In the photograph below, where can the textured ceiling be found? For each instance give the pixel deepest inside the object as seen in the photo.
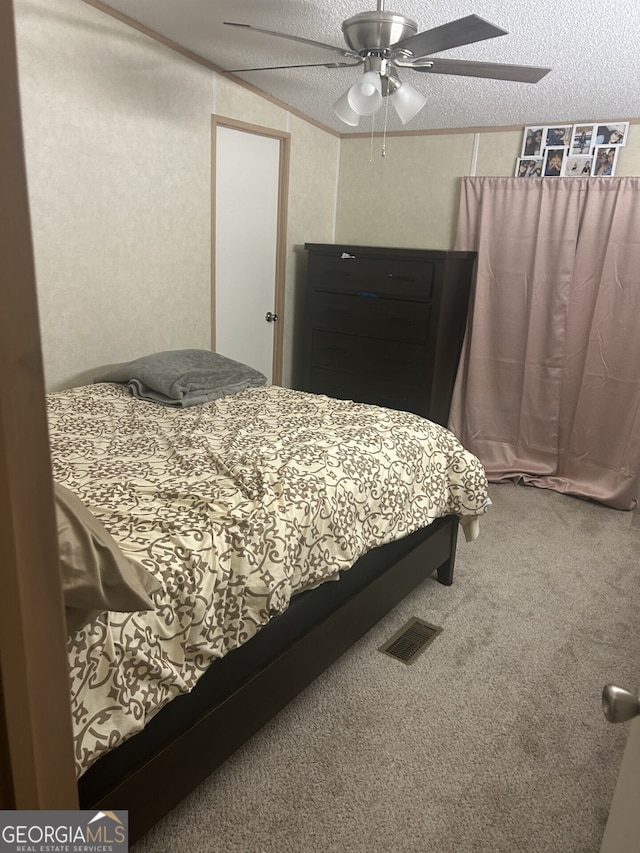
(591, 47)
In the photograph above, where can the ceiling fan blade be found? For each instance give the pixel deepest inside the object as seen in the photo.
(304, 65)
(493, 70)
(341, 50)
(454, 34)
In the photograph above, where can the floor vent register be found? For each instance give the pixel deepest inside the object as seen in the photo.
(411, 640)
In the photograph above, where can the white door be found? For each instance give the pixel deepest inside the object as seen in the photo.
(246, 234)
(622, 832)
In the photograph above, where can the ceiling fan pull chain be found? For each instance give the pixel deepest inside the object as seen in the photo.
(373, 124)
(384, 133)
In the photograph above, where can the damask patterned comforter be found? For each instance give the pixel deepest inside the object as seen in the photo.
(235, 506)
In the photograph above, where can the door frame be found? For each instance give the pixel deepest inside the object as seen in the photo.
(281, 229)
(36, 736)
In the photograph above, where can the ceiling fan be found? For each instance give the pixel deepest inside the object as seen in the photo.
(383, 41)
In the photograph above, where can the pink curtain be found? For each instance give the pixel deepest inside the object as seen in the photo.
(548, 388)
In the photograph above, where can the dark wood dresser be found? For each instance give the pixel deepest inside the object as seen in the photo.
(385, 326)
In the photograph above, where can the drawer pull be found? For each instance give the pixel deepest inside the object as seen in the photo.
(368, 294)
(401, 277)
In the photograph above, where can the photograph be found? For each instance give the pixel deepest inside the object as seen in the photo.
(587, 149)
(553, 161)
(583, 138)
(532, 141)
(529, 167)
(577, 165)
(605, 158)
(612, 133)
(558, 135)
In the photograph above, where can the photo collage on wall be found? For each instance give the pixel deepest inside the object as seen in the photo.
(571, 150)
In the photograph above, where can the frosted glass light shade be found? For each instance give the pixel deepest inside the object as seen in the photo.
(407, 102)
(344, 111)
(365, 96)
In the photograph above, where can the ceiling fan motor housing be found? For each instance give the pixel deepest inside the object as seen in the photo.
(376, 31)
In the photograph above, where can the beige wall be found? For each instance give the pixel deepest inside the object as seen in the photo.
(117, 139)
(405, 198)
(312, 207)
(118, 146)
(409, 198)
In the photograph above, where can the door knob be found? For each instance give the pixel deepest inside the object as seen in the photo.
(270, 318)
(620, 705)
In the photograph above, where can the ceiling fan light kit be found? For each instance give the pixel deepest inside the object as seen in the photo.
(384, 41)
(365, 96)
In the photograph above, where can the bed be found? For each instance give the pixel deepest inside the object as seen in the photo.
(267, 530)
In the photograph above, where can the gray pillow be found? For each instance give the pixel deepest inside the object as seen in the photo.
(96, 575)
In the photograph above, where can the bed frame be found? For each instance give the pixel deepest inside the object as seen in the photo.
(151, 772)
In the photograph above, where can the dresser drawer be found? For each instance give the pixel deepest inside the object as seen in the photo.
(406, 279)
(374, 317)
(389, 393)
(390, 359)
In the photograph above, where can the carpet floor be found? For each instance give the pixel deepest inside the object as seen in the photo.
(492, 741)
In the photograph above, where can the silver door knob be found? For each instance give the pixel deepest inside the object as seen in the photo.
(270, 317)
(620, 705)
